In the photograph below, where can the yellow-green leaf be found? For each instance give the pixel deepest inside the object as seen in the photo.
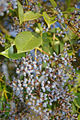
(9, 53)
(77, 100)
(53, 3)
(48, 20)
(29, 15)
(20, 12)
(78, 117)
(27, 2)
(26, 41)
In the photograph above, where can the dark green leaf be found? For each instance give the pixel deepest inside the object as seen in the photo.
(1, 105)
(46, 40)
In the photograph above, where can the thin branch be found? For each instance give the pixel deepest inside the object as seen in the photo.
(4, 30)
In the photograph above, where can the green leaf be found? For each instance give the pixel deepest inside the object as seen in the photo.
(69, 10)
(1, 105)
(9, 53)
(61, 46)
(77, 100)
(48, 20)
(44, 65)
(27, 2)
(20, 12)
(78, 117)
(6, 113)
(39, 26)
(53, 3)
(29, 15)
(78, 76)
(46, 41)
(73, 108)
(53, 30)
(68, 3)
(5, 53)
(26, 41)
(11, 40)
(71, 37)
(56, 46)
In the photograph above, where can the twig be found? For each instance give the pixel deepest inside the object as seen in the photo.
(35, 53)
(4, 30)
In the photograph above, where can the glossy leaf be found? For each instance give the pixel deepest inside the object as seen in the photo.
(48, 20)
(29, 15)
(20, 12)
(26, 41)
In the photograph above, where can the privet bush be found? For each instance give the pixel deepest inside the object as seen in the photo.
(43, 81)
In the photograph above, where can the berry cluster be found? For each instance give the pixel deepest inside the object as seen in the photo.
(45, 84)
(13, 3)
(5, 5)
(74, 20)
(31, 5)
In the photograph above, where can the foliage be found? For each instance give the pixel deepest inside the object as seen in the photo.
(26, 41)
(5, 94)
(31, 31)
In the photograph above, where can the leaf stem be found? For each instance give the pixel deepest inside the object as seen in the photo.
(42, 51)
